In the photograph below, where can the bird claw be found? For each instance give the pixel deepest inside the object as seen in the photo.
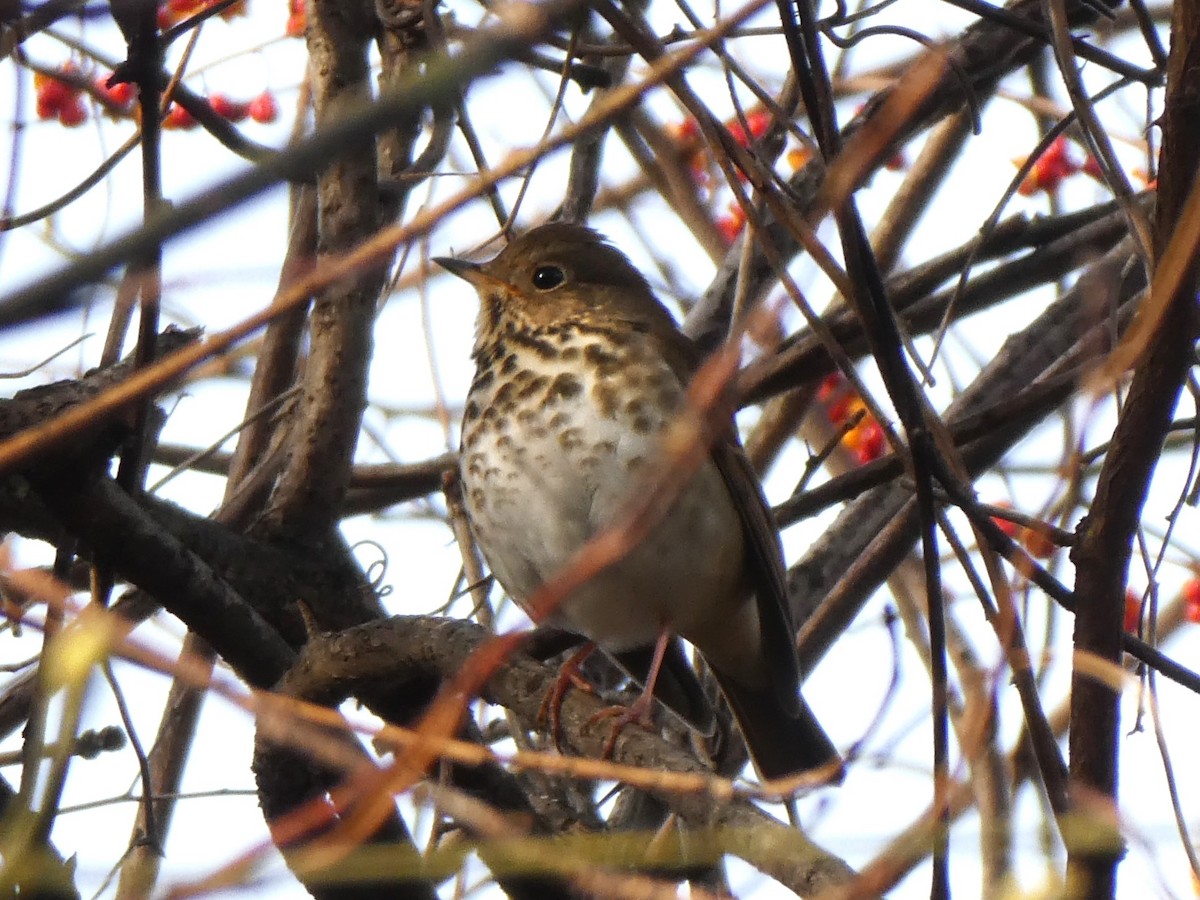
(550, 711)
(637, 713)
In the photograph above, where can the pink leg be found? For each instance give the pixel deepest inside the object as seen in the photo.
(639, 711)
(550, 710)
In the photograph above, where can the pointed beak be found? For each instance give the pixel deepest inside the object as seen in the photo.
(467, 271)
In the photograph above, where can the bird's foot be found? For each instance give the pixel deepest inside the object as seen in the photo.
(640, 712)
(569, 675)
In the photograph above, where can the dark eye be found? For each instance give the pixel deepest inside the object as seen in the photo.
(546, 278)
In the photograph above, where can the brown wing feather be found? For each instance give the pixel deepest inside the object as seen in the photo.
(780, 729)
(765, 568)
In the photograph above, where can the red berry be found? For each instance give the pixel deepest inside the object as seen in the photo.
(178, 118)
(759, 121)
(831, 385)
(1191, 600)
(52, 95)
(687, 130)
(871, 443)
(263, 108)
(731, 225)
(844, 408)
(46, 108)
(72, 114)
(1007, 526)
(729, 228)
(1133, 610)
(119, 97)
(1049, 169)
(227, 108)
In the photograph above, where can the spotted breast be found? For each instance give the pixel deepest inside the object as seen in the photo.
(559, 426)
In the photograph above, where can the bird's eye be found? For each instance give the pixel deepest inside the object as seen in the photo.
(547, 278)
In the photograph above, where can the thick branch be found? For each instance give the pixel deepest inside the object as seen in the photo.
(404, 648)
(1106, 535)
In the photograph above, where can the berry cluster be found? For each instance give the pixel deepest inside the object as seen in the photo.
(755, 125)
(1056, 164)
(862, 435)
(1039, 544)
(172, 12)
(60, 96)
(700, 164)
(262, 109)
(1050, 169)
(1190, 594)
(1037, 540)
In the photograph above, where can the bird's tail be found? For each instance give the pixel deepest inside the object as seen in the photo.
(781, 743)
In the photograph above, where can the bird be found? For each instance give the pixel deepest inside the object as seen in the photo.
(579, 368)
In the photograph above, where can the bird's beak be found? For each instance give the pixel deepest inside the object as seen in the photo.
(467, 271)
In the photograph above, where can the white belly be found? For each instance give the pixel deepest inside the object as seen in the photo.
(539, 486)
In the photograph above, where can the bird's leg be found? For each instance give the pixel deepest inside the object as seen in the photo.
(638, 712)
(569, 674)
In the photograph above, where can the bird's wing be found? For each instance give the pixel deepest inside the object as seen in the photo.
(764, 554)
(764, 567)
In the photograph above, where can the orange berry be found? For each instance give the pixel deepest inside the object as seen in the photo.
(297, 21)
(1037, 542)
(1144, 177)
(847, 409)
(798, 157)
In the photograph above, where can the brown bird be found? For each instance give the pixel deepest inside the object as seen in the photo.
(579, 368)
